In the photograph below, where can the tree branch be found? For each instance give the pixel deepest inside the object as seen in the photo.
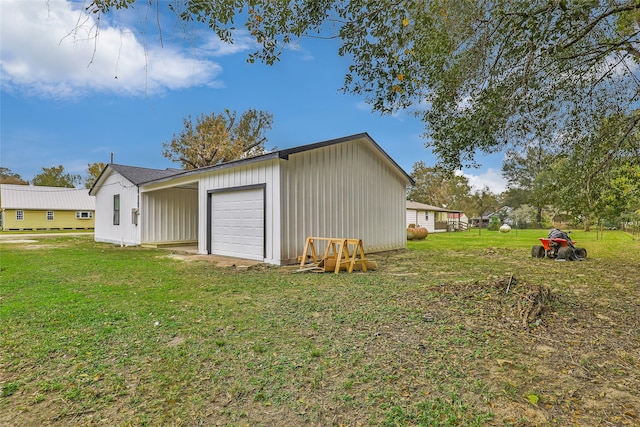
(587, 29)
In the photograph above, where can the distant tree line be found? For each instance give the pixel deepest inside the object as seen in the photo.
(581, 179)
(54, 176)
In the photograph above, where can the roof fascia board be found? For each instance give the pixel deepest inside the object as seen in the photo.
(169, 182)
(281, 154)
(215, 168)
(284, 154)
(101, 178)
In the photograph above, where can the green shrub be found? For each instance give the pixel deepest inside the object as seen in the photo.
(495, 224)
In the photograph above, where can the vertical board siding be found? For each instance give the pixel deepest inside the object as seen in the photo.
(126, 233)
(240, 176)
(170, 215)
(343, 190)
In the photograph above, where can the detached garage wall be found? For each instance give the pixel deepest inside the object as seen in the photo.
(342, 190)
(236, 178)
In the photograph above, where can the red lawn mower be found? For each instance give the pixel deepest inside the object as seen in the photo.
(559, 246)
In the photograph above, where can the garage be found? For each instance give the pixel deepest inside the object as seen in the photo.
(238, 222)
(261, 208)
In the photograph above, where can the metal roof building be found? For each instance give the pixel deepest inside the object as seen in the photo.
(260, 208)
(28, 207)
(35, 197)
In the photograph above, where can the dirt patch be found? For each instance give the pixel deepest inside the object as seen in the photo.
(176, 341)
(220, 261)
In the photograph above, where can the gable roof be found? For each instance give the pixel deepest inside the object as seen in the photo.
(45, 198)
(135, 174)
(284, 154)
(422, 207)
(139, 176)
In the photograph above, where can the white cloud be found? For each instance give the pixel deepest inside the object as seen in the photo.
(214, 46)
(364, 106)
(490, 178)
(53, 49)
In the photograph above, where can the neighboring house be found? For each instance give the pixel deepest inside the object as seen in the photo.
(502, 214)
(433, 218)
(459, 220)
(27, 207)
(260, 208)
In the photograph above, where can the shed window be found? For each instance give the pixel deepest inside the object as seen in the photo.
(49, 215)
(84, 214)
(19, 215)
(116, 209)
(426, 215)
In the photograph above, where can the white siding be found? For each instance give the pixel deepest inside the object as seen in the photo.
(169, 215)
(342, 190)
(241, 176)
(126, 233)
(237, 223)
(417, 216)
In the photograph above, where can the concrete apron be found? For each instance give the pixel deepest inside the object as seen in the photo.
(190, 253)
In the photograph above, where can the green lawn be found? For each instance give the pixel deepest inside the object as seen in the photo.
(456, 330)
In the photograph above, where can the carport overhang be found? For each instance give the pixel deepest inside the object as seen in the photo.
(163, 209)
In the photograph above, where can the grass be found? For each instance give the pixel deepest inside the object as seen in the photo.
(93, 333)
(39, 231)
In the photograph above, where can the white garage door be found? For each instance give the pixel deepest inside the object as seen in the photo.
(237, 223)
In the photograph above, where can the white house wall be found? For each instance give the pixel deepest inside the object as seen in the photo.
(170, 215)
(343, 190)
(419, 217)
(416, 217)
(245, 175)
(126, 233)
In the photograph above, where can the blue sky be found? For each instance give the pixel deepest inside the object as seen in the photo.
(69, 98)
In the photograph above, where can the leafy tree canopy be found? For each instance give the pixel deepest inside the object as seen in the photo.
(599, 177)
(219, 138)
(8, 177)
(56, 177)
(528, 171)
(482, 75)
(438, 187)
(93, 172)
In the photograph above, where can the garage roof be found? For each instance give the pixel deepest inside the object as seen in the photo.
(284, 154)
(422, 207)
(139, 175)
(45, 198)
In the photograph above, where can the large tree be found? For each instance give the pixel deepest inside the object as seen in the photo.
(217, 138)
(481, 74)
(599, 173)
(529, 171)
(7, 176)
(438, 187)
(55, 176)
(93, 173)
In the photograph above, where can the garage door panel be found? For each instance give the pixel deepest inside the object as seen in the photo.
(237, 223)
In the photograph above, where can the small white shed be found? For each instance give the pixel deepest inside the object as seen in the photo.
(260, 208)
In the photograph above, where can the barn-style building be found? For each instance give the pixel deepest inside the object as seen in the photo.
(261, 208)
